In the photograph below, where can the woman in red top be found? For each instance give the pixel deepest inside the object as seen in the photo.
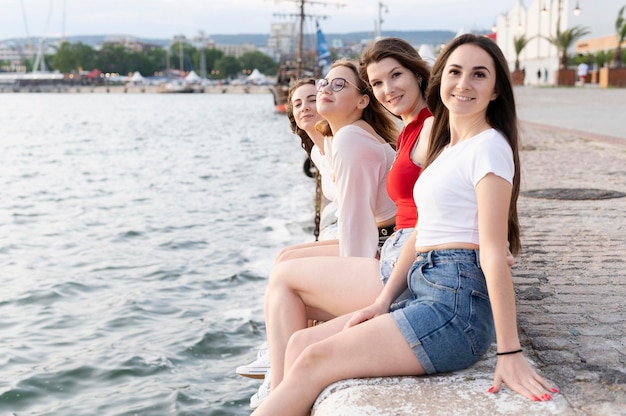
(399, 77)
(333, 286)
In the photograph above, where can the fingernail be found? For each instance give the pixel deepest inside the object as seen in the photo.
(554, 390)
(546, 397)
(491, 389)
(535, 398)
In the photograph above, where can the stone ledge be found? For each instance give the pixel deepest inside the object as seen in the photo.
(459, 393)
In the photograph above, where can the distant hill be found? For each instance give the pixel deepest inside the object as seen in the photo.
(431, 37)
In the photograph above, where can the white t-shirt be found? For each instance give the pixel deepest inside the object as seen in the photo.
(445, 191)
(360, 164)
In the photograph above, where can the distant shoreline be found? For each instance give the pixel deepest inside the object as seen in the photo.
(131, 89)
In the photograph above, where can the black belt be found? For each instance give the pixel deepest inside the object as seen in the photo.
(384, 233)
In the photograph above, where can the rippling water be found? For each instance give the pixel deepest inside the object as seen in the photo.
(136, 235)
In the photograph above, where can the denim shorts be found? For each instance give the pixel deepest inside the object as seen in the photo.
(391, 251)
(447, 321)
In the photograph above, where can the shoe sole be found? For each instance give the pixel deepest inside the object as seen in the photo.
(250, 374)
(254, 376)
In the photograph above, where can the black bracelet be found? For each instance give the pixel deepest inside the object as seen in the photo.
(509, 352)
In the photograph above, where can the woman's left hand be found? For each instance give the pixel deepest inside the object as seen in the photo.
(515, 371)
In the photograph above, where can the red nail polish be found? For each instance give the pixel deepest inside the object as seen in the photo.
(546, 397)
(555, 390)
(535, 398)
(491, 389)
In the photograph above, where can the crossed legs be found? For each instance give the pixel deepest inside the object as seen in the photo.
(318, 288)
(326, 353)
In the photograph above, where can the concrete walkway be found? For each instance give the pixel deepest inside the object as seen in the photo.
(588, 111)
(570, 280)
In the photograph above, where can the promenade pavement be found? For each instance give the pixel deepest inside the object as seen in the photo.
(570, 279)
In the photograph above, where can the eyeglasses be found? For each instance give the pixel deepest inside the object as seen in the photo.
(336, 84)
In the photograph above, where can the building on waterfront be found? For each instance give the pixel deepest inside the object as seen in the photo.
(603, 43)
(539, 21)
(236, 50)
(282, 39)
(12, 57)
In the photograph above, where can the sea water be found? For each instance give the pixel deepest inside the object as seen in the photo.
(137, 232)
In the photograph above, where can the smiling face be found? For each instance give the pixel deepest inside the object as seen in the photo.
(303, 104)
(395, 87)
(338, 105)
(468, 81)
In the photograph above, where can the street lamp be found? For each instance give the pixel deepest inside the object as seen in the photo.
(577, 9)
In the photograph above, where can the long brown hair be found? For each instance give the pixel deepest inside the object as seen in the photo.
(401, 51)
(374, 114)
(306, 142)
(500, 114)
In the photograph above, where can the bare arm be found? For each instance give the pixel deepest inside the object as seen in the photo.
(395, 286)
(493, 194)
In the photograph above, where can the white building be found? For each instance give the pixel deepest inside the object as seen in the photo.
(539, 21)
(282, 39)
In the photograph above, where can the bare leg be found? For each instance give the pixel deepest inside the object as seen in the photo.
(314, 288)
(317, 248)
(372, 349)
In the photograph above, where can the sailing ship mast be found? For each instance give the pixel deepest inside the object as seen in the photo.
(301, 16)
(287, 73)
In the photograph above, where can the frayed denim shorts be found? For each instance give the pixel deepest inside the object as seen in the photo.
(447, 321)
(391, 251)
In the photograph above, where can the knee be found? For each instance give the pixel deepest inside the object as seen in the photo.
(309, 356)
(288, 253)
(298, 342)
(278, 276)
(281, 255)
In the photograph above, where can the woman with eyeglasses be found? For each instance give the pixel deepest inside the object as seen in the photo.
(456, 261)
(358, 134)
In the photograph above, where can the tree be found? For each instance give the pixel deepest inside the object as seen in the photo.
(112, 58)
(519, 43)
(259, 60)
(181, 54)
(602, 57)
(566, 39)
(74, 57)
(227, 66)
(620, 29)
(212, 55)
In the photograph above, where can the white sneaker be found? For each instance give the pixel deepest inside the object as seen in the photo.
(258, 367)
(258, 397)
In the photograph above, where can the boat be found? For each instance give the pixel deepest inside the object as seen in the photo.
(175, 86)
(288, 71)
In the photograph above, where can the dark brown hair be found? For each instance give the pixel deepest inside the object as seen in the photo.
(500, 114)
(306, 141)
(401, 51)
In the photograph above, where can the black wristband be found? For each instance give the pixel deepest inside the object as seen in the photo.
(509, 352)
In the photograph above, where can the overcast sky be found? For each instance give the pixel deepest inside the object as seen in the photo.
(166, 18)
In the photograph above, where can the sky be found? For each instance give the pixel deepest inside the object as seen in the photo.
(164, 19)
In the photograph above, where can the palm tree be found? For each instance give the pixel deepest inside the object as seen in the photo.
(620, 29)
(519, 43)
(564, 40)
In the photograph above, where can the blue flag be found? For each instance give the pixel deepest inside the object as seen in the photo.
(323, 53)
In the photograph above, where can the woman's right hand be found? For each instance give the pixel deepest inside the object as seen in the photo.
(367, 313)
